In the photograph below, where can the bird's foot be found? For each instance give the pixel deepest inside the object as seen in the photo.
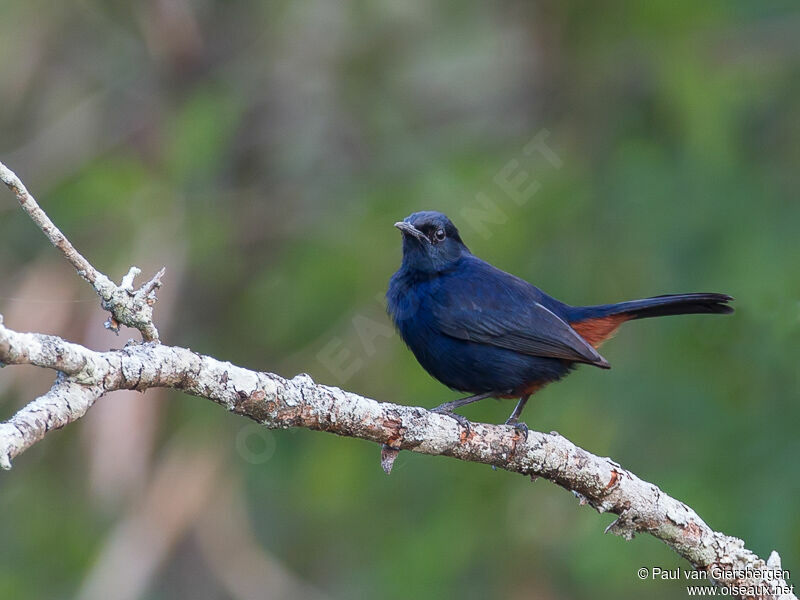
(460, 419)
(520, 427)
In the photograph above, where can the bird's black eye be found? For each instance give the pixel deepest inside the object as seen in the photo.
(439, 235)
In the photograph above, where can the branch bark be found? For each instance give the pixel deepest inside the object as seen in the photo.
(85, 375)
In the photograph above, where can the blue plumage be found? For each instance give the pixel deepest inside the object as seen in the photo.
(424, 307)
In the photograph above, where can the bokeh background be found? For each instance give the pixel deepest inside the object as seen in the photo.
(262, 151)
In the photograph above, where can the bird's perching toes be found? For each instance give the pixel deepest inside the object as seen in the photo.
(448, 407)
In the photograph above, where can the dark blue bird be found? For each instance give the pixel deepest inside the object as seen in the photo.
(480, 330)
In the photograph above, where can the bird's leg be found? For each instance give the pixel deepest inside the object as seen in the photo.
(514, 418)
(448, 407)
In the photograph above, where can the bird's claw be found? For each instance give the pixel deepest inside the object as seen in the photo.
(460, 419)
(520, 427)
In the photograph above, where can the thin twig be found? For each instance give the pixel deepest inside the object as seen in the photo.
(53, 233)
(128, 307)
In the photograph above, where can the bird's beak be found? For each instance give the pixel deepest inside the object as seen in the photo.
(409, 229)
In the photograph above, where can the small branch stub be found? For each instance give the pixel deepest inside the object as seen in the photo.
(134, 308)
(388, 456)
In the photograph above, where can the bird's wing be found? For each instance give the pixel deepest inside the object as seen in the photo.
(489, 306)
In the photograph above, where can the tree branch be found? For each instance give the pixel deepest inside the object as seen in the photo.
(130, 307)
(85, 375)
(276, 402)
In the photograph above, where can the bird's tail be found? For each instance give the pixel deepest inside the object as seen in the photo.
(659, 306)
(598, 323)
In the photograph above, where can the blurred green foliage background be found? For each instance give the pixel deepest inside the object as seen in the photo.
(262, 151)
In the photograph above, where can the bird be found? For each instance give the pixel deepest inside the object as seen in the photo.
(490, 334)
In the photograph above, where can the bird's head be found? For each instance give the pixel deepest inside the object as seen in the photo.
(430, 242)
